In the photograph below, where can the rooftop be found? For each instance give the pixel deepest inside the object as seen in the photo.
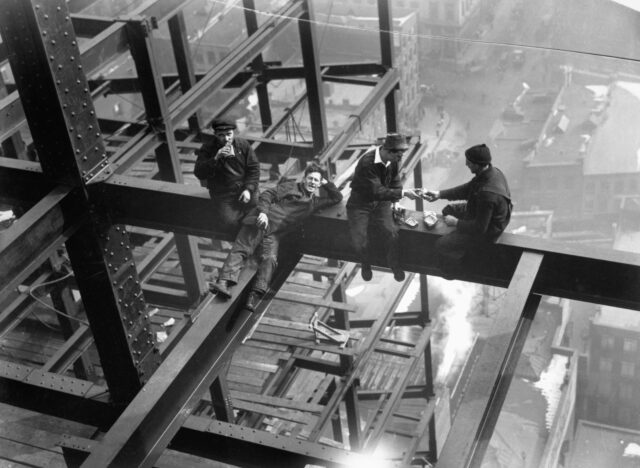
(597, 445)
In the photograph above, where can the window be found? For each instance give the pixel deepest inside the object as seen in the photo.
(607, 342)
(626, 391)
(627, 369)
(605, 365)
(449, 12)
(630, 345)
(604, 388)
(589, 187)
(602, 411)
(433, 11)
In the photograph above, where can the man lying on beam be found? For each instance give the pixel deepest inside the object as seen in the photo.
(280, 211)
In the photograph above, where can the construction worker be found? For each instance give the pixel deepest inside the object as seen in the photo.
(480, 218)
(231, 170)
(280, 211)
(375, 186)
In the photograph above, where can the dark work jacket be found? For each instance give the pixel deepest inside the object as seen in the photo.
(488, 203)
(287, 205)
(374, 182)
(231, 175)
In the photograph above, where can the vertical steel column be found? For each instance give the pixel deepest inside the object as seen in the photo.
(54, 92)
(385, 21)
(182, 54)
(12, 147)
(62, 300)
(220, 398)
(346, 362)
(313, 78)
(153, 94)
(258, 66)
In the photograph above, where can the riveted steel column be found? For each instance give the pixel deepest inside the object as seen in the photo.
(346, 362)
(141, 43)
(258, 66)
(313, 78)
(385, 20)
(44, 58)
(182, 54)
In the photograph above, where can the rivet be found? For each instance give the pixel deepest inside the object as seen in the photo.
(59, 67)
(71, 129)
(64, 106)
(58, 8)
(66, 90)
(44, 33)
(73, 43)
(58, 81)
(84, 158)
(79, 137)
(53, 42)
(51, 57)
(73, 114)
(77, 151)
(72, 58)
(65, 34)
(90, 127)
(46, 16)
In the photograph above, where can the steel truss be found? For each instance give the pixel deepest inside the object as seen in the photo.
(80, 194)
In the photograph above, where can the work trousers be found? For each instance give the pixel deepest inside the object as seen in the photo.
(377, 217)
(451, 249)
(247, 242)
(228, 211)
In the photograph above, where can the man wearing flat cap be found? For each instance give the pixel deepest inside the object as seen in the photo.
(481, 218)
(375, 186)
(231, 170)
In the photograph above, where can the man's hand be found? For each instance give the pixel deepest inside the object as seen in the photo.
(410, 193)
(245, 196)
(450, 220)
(262, 221)
(223, 152)
(431, 195)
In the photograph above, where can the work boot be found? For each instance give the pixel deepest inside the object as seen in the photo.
(398, 274)
(252, 301)
(221, 289)
(365, 272)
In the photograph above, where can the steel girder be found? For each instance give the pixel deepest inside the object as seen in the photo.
(93, 55)
(156, 414)
(56, 99)
(27, 243)
(469, 436)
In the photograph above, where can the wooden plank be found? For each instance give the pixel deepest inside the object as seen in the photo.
(287, 415)
(270, 338)
(315, 301)
(276, 401)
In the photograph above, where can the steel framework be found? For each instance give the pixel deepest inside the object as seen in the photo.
(80, 193)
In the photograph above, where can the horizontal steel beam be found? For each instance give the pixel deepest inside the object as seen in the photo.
(94, 55)
(571, 271)
(237, 445)
(57, 395)
(34, 236)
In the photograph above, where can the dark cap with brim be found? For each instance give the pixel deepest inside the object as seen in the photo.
(219, 125)
(395, 141)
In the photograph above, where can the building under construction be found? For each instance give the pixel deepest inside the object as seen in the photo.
(113, 350)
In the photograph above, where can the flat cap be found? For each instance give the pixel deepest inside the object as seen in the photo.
(223, 124)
